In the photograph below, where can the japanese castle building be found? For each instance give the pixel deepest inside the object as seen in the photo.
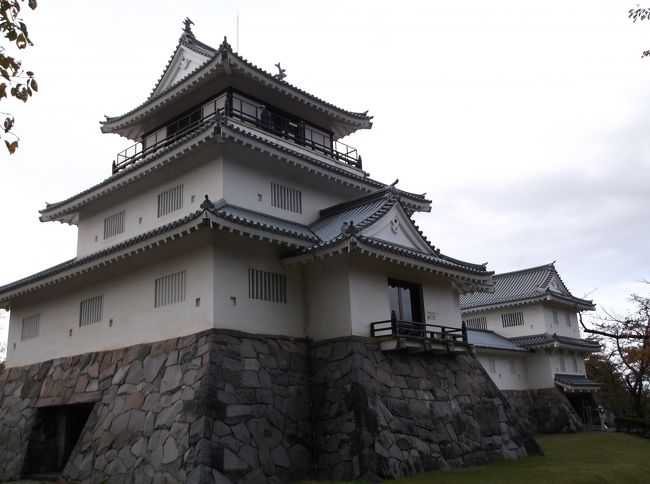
(526, 334)
(246, 304)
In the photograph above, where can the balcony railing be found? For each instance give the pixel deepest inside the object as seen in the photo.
(257, 115)
(419, 331)
(138, 151)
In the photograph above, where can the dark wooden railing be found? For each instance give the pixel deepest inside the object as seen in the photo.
(415, 330)
(296, 131)
(138, 151)
(291, 129)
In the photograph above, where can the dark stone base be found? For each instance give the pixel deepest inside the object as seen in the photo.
(545, 410)
(224, 406)
(382, 415)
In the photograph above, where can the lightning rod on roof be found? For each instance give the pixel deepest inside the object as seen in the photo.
(237, 31)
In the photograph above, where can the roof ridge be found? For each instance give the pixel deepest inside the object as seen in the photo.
(225, 46)
(382, 192)
(529, 269)
(188, 40)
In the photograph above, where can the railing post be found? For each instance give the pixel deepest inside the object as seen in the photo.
(393, 323)
(464, 331)
(228, 105)
(300, 138)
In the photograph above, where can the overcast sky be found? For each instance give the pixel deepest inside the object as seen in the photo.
(526, 123)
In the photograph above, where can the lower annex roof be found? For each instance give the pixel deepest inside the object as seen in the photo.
(523, 287)
(546, 340)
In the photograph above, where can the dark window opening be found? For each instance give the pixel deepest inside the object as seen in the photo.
(54, 436)
(405, 300)
(178, 127)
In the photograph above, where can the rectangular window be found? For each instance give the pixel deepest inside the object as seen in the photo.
(492, 365)
(267, 286)
(575, 365)
(513, 368)
(170, 200)
(512, 319)
(479, 322)
(286, 198)
(568, 319)
(555, 320)
(114, 224)
(90, 311)
(170, 289)
(315, 138)
(562, 367)
(31, 325)
(405, 300)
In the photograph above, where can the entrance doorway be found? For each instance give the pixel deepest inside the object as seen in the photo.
(55, 433)
(405, 300)
(585, 407)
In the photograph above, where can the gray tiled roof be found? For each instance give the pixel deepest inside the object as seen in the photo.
(379, 186)
(545, 339)
(201, 128)
(416, 198)
(437, 258)
(363, 212)
(360, 216)
(521, 286)
(225, 46)
(79, 261)
(263, 221)
(490, 340)
(578, 381)
(346, 220)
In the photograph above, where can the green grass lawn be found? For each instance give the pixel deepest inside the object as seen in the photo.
(576, 458)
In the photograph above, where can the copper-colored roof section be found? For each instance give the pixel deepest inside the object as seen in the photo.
(225, 64)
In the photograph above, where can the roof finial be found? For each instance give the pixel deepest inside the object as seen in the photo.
(187, 26)
(281, 72)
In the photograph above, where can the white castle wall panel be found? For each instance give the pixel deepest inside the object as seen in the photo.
(141, 207)
(128, 300)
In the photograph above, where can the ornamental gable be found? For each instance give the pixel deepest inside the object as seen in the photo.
(396, 228)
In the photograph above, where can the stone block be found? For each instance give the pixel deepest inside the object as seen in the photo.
(171, 378)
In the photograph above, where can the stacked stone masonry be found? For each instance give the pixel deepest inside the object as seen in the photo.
(224, 406)
(546, 410)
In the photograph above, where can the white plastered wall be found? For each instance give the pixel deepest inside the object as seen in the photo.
(369, 294)
(561, 327)
(248, 185)
(534, 322)
(141, 207)
(540, 369)
(503, 375)
(128, 300)
(328, 298)
(234, 309)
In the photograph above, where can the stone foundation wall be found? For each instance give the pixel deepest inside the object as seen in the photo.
(384, 415)
(545, 410)
(223, 406)
(191, 409)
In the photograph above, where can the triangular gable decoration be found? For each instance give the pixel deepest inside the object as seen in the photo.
(184, 61)
(396, 228)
